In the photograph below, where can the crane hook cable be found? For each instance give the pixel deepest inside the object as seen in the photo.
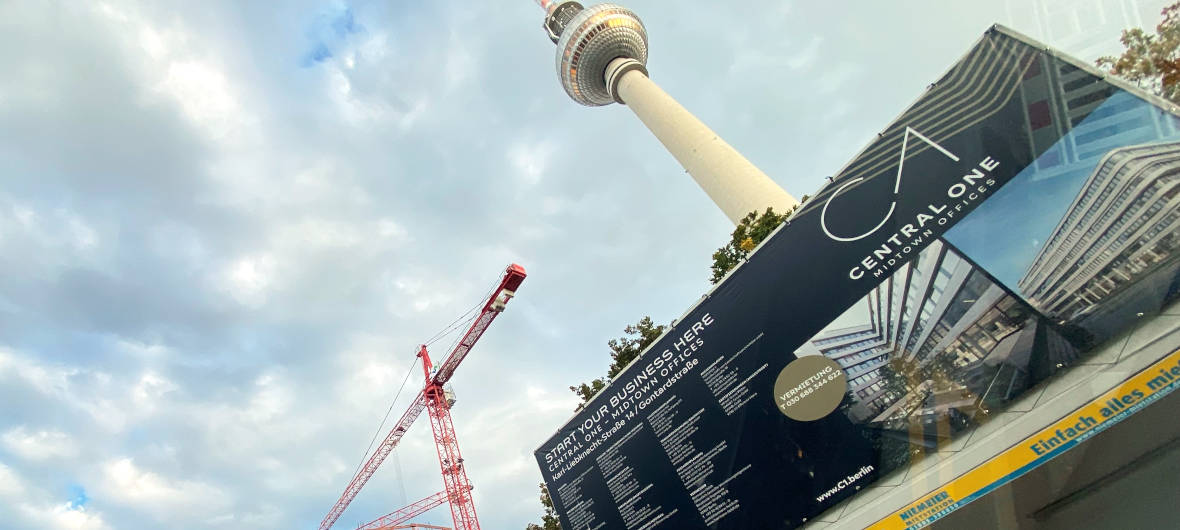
(456, 324)
(386, 418)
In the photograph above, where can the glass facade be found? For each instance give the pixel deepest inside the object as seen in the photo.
(941, 321)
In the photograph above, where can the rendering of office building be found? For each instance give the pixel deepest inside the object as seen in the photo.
(1123, 224)
(958, 340)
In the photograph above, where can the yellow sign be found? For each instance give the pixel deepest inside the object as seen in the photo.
(1144, 388)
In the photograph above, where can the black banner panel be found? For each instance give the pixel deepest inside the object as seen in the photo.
(1016, 217)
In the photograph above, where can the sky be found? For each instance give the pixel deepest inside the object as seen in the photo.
(225, 227)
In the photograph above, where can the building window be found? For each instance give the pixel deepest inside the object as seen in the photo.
(1049, 159)
(1097, 95)
(1038, 115)
(1079, 83)
(1034, 69)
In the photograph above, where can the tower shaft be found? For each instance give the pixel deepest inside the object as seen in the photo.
(601, 59)
(734, 183)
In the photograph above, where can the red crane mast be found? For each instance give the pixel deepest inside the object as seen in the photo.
(434, 399)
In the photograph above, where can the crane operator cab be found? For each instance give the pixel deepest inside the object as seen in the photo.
(449, 395)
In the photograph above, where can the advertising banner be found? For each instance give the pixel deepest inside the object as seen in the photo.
(1018, 215)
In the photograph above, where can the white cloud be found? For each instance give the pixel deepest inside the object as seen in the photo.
(421, 291)
(58, 231)
(504, 456)
(320, 233)
(25, 216)
(272, 399)
(11, 485)
(837, 77)
(293, 246)
(150, 390)
(173, 63)
(530, 159)
(264, 420)
(52, 381)
(38, 445)
(113, 12)
(82, 235)
(152, 42)
(249, 279)
(204, 94)
(554, 205)
(388, 228)
(62, 517)
(57, 382)
(165, 498)
(265, 516)
(363, 109)
(146, 351)
(460, 65)
(33, 510)
(806, 58)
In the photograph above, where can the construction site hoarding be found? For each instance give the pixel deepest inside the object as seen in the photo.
(1017, 216)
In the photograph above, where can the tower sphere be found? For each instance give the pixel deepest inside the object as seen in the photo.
(592, 39)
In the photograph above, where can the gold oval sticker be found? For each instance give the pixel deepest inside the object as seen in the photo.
(810, 388)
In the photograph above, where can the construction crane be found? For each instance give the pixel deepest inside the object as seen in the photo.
(437, 401)
(396, 518)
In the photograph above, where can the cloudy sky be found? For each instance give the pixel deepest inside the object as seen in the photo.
(225, 226)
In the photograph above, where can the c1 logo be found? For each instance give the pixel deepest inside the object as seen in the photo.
(823, 215)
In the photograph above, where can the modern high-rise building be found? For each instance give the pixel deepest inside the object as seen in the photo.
(939, 307)
(861, 350)
(602, 59)
(1123, 223)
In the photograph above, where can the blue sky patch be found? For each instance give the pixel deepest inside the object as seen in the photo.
(329, 31)
(77, 497)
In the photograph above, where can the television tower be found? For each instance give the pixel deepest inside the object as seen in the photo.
(602, 59)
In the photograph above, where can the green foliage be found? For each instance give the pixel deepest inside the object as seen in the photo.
(549, 520)
(941, 372)
(1151, 61)
(624, 349)
(749, 232)
(586, 391)
(900, 377)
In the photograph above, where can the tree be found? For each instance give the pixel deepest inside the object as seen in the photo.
(900, 377)
(942, 373)
(549, 520)
(753, 228)
(1151, 61)
(625, 349)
